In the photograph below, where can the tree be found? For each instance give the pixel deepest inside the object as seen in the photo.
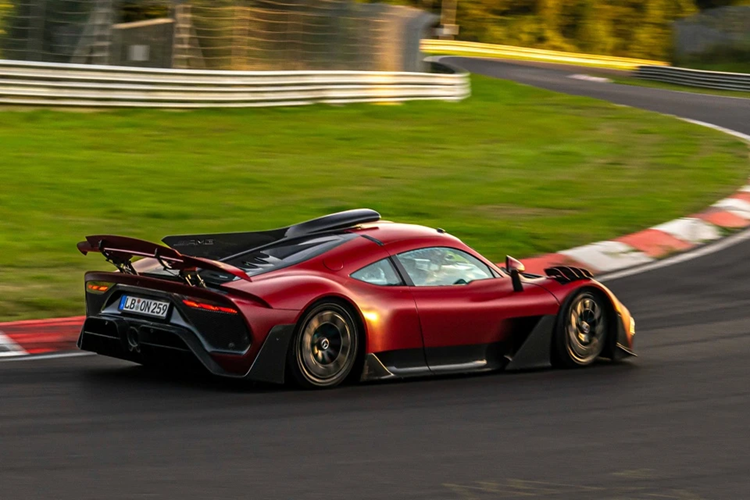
(617, 27)
(6, 11)
(653, 37)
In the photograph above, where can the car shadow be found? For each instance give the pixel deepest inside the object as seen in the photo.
(134, 376)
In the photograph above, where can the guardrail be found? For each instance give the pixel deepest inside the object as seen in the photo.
(458, 47)
(696, 78)
(52, 84)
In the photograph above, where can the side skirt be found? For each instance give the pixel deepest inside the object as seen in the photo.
(395, 364)
(374, 369)
(536, 350)
(533, 353)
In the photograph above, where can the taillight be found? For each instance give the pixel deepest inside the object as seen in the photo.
(205, 306)
(98, 287)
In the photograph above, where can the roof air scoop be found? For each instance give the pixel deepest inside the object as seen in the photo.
(229, 245)
(340, 220)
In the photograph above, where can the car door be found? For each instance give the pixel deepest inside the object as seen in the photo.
(388, 307)
(467, 311)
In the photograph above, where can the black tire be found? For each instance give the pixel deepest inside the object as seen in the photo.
(325, 346)
(583, 330)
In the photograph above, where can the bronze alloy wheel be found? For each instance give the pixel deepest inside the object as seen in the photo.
(582, 330)
(325, 346)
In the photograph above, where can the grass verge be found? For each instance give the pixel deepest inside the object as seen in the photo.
(513, 169)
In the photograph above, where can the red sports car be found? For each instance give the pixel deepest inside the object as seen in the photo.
(343, 297)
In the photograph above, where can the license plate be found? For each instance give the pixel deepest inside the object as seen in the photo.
(147, 307)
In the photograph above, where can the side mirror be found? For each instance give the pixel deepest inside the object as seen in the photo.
(515, 268)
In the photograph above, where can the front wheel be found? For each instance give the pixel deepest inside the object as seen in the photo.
(582, 330)
(325, 346)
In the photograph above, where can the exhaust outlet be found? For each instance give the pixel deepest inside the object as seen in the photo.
(132, 339)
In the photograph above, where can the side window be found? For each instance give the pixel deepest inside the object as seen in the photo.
(442, 266)
(380, 273)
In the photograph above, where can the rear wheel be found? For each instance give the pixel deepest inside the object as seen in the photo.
(582, 330)
(325, 346)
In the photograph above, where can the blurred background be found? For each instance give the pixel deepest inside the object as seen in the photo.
(234, 34)
(345, 34)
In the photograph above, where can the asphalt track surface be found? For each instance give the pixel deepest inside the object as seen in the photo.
(672, 424)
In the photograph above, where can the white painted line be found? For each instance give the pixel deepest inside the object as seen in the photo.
(734, 133)
(698, 252)
(590, 78)
(690, 229)
(8, 347)
(56, 355)
(718, 96)
(607, 256)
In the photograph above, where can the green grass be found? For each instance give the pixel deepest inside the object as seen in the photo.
(512, 170)
(680, 88)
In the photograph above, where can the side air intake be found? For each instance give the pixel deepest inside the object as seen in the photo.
(566, 274)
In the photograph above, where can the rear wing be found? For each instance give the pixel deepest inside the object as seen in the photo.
(119, 250)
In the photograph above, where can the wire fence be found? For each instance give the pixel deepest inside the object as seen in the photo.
(212, 34)
(325, 34)
(43, 31)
